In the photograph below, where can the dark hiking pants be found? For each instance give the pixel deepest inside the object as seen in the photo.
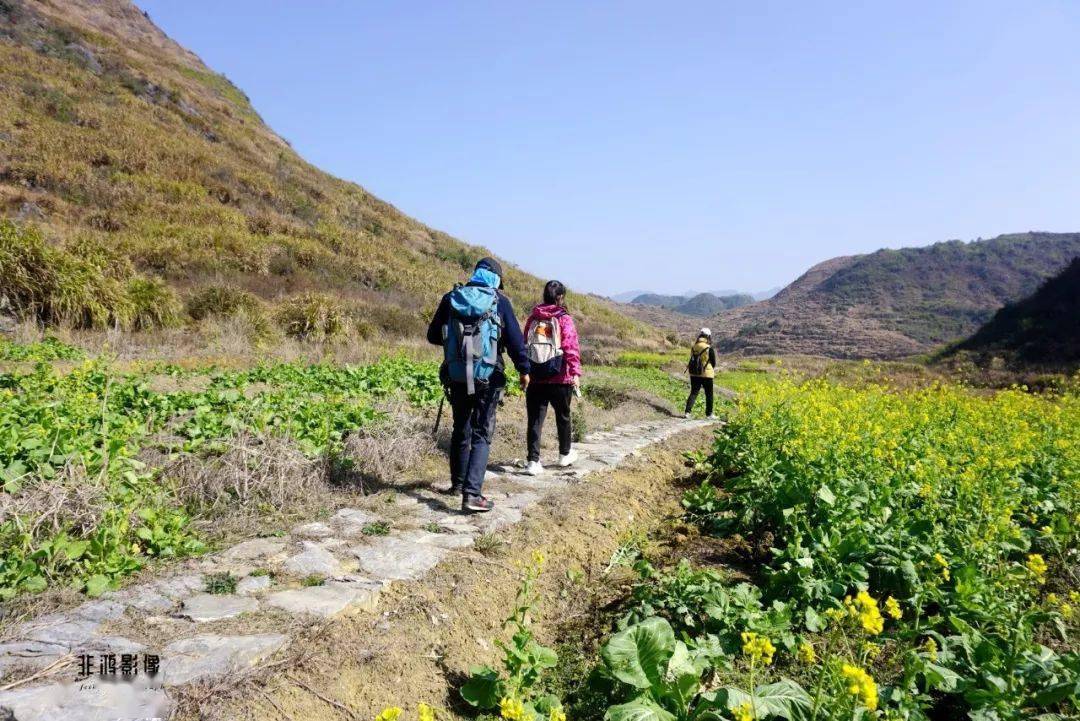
(698, 383)
(474, 427)
(537, 398)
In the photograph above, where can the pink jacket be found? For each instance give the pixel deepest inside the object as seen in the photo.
(571, 349)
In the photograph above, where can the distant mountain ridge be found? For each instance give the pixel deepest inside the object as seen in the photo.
(893, 303)
(632, 295)
(701, 304)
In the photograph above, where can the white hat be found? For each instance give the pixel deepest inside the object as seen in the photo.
(706, 331)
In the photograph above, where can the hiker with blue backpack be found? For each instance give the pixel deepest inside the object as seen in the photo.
(475, 324)
(555, 371)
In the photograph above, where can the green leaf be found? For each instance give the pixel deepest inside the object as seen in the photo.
(730, 698)
(683, 677)
(639, 655)
(826, 495)
(483, 689)
(35, 584)
(941, 678)
(96, 585)
(1054, 694)
(640, 709)
(785, 699)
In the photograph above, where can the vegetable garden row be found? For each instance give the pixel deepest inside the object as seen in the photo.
(88, 426)
(923, 565)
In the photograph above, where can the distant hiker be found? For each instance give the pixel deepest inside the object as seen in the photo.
(702, 369)
(474, 324)
(555, 361)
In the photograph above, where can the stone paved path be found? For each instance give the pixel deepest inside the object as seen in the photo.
(353, 568)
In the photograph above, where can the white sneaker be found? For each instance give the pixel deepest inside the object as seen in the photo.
(712, 418)
(534, 468)
(688, 416)
(569, 459)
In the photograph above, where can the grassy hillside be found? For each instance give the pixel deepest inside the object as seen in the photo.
(1043, 329)
(153, 182)
(897, 302)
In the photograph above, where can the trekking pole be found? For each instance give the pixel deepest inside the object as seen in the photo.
(438, 416)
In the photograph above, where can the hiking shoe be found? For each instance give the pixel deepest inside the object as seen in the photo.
(712, 418)
(533, 468)
(476, 504)
(453, 489)
(569, 459)
(688, 416)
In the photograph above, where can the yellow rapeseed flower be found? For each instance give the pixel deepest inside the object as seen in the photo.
(805, 653)
(861, 685)
(743, 712)
(865, 608)
(425, 712)
(758, 648)
(511, 709)
(931, 649)
(1037, 565)
(892, 608)
(390, 713)
(557, 714)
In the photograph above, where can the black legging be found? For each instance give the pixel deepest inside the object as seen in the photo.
(696, 384)
(537, 398)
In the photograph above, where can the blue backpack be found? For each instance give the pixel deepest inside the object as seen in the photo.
(471, 337)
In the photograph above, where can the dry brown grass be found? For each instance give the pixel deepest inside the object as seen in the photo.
(233, 493)
(383, 451)
(71, 499)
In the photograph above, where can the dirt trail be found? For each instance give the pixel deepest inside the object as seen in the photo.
(387, 618)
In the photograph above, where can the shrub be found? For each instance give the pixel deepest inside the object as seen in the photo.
(53, 285)
(222, 301)
(153, 304)
(313, 316)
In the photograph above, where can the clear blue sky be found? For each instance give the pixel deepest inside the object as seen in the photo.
(677, 145)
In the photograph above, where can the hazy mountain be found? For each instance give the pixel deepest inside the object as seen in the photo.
(701, 304)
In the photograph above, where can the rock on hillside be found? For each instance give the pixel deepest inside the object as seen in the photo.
(893, 303)
(116, 138)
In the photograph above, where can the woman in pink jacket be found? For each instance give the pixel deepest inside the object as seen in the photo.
(555, 357)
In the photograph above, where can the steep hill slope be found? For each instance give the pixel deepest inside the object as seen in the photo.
(896, 302)
(122, 146)
(1042, 329)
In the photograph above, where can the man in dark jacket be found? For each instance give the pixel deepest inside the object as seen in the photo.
(474, 415)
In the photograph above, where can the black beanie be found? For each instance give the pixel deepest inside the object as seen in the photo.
(491, 264)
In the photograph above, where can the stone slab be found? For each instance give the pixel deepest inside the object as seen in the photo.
(257, 549)
(442, 540)
(314, 560)
(330, 599)
(397, 560)
(351, 521)
(316, 529)
(215, 607)
(90, 700)
(211, 656)
(252, 585)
